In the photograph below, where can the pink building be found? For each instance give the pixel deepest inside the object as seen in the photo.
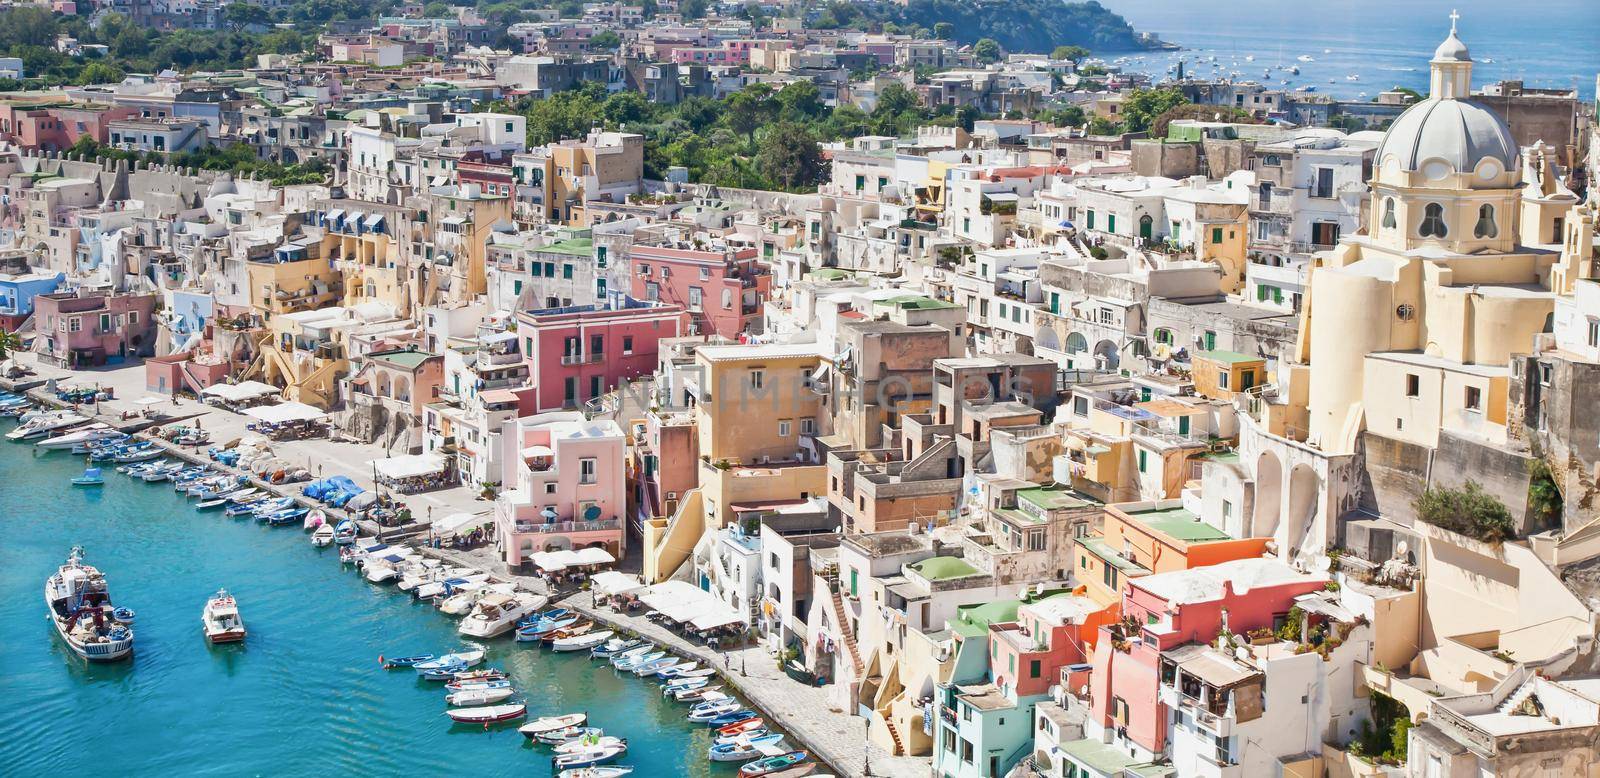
(722, 288)
(704, 55)
(1026, 655)
(94, 329)
(565, 486)
(577, 353)
(1167, 610)
(55, 127)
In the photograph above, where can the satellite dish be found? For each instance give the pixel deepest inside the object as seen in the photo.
(1402, 548)
(591, 513)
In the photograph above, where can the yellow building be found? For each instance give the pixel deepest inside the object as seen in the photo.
(365, 244)
(460, 219)
(562, 178)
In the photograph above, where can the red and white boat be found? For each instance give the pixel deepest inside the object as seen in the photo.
(221, 619)
(741, 727)
(485, 714)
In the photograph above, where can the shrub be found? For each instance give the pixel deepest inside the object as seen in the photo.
(1469, 510)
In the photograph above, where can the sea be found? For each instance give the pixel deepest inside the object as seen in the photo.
(304, 696)
(1354, 49)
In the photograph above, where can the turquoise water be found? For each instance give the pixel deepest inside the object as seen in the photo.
(304, 696)
(1383, 42)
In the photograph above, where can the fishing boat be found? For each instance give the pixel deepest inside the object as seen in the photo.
(674, 671)
(731, 717)
(470, 698)
(612, 647)
(392, 662)
(650, 668)
(723, 740)
(607, 771)
(221, 619)
(91, 477)
(630, 663)
(689, 674)
(582, 627)
(242, 509)
(345, 533)
(495, 614)
(544, 619)
(552, 723)
(737, 728)
(93, 433)
(537, 630)
(698, 694)
(706, 711)
(770, 765)
(80, 607)
(487, 714)
(559, 736)
(285, 517)
(473, 680)
(627, 655)
(315, 519)
(138, 454)
(744, 751)
(591, 756)
(581, 642)
(323, 537)
(692, 684)
(587, 742)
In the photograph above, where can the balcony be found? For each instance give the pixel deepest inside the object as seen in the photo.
(490, 359)
(554, 527)
(581, 359)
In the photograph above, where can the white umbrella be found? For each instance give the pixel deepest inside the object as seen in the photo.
(151, 399)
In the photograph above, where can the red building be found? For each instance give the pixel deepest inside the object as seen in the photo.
(577, 353)
(56, 126)
(722, 288)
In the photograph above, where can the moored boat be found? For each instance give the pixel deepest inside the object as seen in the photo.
(770, 765)
(581, 642)
(606, 771)
(587, 742)
(553, 723)
(91, 477)
(612, 647)
(495, 614)
(80, 607)
(221, 619)
(486, 714)
(322, 537)
(591, 756)
(745, 750)
(411, 660)
(468, 698)
(559, 736)
(315, 519)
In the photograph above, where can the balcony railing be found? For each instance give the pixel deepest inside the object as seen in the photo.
(581, 359)
(567, 526)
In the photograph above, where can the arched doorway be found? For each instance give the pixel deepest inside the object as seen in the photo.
(1146, 226)
(1077, 343)
(1106, 356)
(1304, 489)
(1269, 496)
(1045, 338)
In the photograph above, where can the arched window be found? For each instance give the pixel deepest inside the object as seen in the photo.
(1388, 213)
(1433, 222)
(1486, 227)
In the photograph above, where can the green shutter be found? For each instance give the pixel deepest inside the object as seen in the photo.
(1141, 460)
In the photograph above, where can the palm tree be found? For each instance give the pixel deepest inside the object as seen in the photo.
(9, 342)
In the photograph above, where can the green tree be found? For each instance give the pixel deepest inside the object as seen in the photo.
(790, 157)
(1470, 511)
(748, 109)
(986, 50)
(239, 15)
(895, 99)
(1073, 54)
(606, 40)
(800, 101)
(436, 10)
(99, 73)
(9, 342)
(944, 31)
(1142, 106)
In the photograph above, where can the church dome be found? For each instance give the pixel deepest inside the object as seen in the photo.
(1452, 50)
(1460, 133)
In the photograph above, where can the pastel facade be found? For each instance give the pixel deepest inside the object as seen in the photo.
(564, 486)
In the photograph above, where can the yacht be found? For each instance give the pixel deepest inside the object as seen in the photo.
(80, 607)
(496, 614)
(221, 619)
(44, 424)
(93, 433)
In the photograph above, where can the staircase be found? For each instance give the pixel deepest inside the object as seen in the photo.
(894, 733)
(847, 633)
(1516, 698)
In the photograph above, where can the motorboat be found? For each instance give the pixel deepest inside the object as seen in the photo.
(698, 694)
(731, 717)
(495, 614)
(221, 619)
(467, 658)
(322, 537)
(552, 723)
(411, 660)
(592, 756)
(744, 751)
(559, 736)
(536, 631)
(243, 508)
(315, 519)
(79, 602)
(161, 473)
(464, 579)
(93, 433)
(91, 477)
(587, 742)
(686, 687)
(740, 737)
(471, 698)
(421, 571)
(706, 711)
(488, 714)
(545, 618)
(629, 664)
(629, 656)
(345, 533)
(206, 505)
(605, 771)
(385, 568)
(612, 647)
(286, 516)
(649, 668)
(687, 675)
(478, 679)
(677, 670)
(46, 423)
(770, 765)
(582, 642)
(459, 603)
(732, 731)
(139, 454)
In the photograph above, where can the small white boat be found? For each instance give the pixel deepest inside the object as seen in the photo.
(606, 771)
(591, 756)
(90, 434)
(468, 698)
(582, 642)
(496, 614)
(46, 423)
(323, 537)
(485, 714)
(587, 743)
(465, 659)
(462, 579)
(221, 619)
(316, 519)
(553, 723)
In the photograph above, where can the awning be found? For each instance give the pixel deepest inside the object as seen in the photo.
(718, 616)
(409, 466)
(244, 390)
(553, 560)
(458, 523)
(612, 582)
(151, 399)
(285, 412)
(677, 600)
(537, 451)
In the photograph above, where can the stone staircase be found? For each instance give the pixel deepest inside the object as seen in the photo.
(894, 733)
(1516, 698)
(848, 634)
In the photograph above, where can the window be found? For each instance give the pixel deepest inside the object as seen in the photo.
(1222, 379)
(1216, 234)
(727, 298)
(1211, 340)
(1433, 225)
(550, 488)
(1474, 399)
(757, 378)
(1080, 406)
(1388, 213)
(74, 324)
(1413, 385)
(694, 298)
(597, 344)
(1142, 454)
(1594, 333)
(808, 426)
(783, 428)
(600, 256)
(588, 470)
(1164, 335)
(1227, 509)
(1486, 227)
(1036, 540)
(627, 344)
(566, 271)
